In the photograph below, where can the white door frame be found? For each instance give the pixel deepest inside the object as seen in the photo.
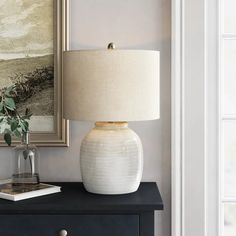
(194, 137)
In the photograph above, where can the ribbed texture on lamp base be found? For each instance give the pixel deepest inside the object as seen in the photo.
(111, 159)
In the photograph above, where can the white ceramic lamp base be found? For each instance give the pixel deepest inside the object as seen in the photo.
(111, 159)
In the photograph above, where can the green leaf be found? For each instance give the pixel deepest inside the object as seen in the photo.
(10, 104)
(7, 138)
(26, 117)
(1, 106)
(24, 125)
(17, 133)
(9, 120)
(14, 125)
(1, 119)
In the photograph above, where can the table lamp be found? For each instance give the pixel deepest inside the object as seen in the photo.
(111, 87)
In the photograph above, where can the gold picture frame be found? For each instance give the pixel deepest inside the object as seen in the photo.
(59, 137)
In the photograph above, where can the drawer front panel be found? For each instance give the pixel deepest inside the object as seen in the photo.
(75, 225)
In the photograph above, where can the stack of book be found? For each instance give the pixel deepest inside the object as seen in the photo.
(12, 192)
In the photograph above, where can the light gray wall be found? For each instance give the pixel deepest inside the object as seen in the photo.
(133, 24)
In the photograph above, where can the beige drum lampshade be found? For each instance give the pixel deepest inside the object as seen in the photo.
(111, 85)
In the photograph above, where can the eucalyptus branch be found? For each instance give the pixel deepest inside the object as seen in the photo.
(11, 117)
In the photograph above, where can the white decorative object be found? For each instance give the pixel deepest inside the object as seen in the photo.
(112, 87)
(111, 159)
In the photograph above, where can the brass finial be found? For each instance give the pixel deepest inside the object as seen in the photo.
(111, 46)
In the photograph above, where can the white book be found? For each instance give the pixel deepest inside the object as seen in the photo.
(11, 192)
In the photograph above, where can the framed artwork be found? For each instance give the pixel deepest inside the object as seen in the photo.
(33, 35)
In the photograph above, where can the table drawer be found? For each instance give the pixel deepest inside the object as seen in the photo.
(75, 225)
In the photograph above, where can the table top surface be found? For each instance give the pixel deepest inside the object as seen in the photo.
(74, 199)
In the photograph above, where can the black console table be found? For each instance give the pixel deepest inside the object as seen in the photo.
(75, 212)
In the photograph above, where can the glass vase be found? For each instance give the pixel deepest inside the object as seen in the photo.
(26, 163)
